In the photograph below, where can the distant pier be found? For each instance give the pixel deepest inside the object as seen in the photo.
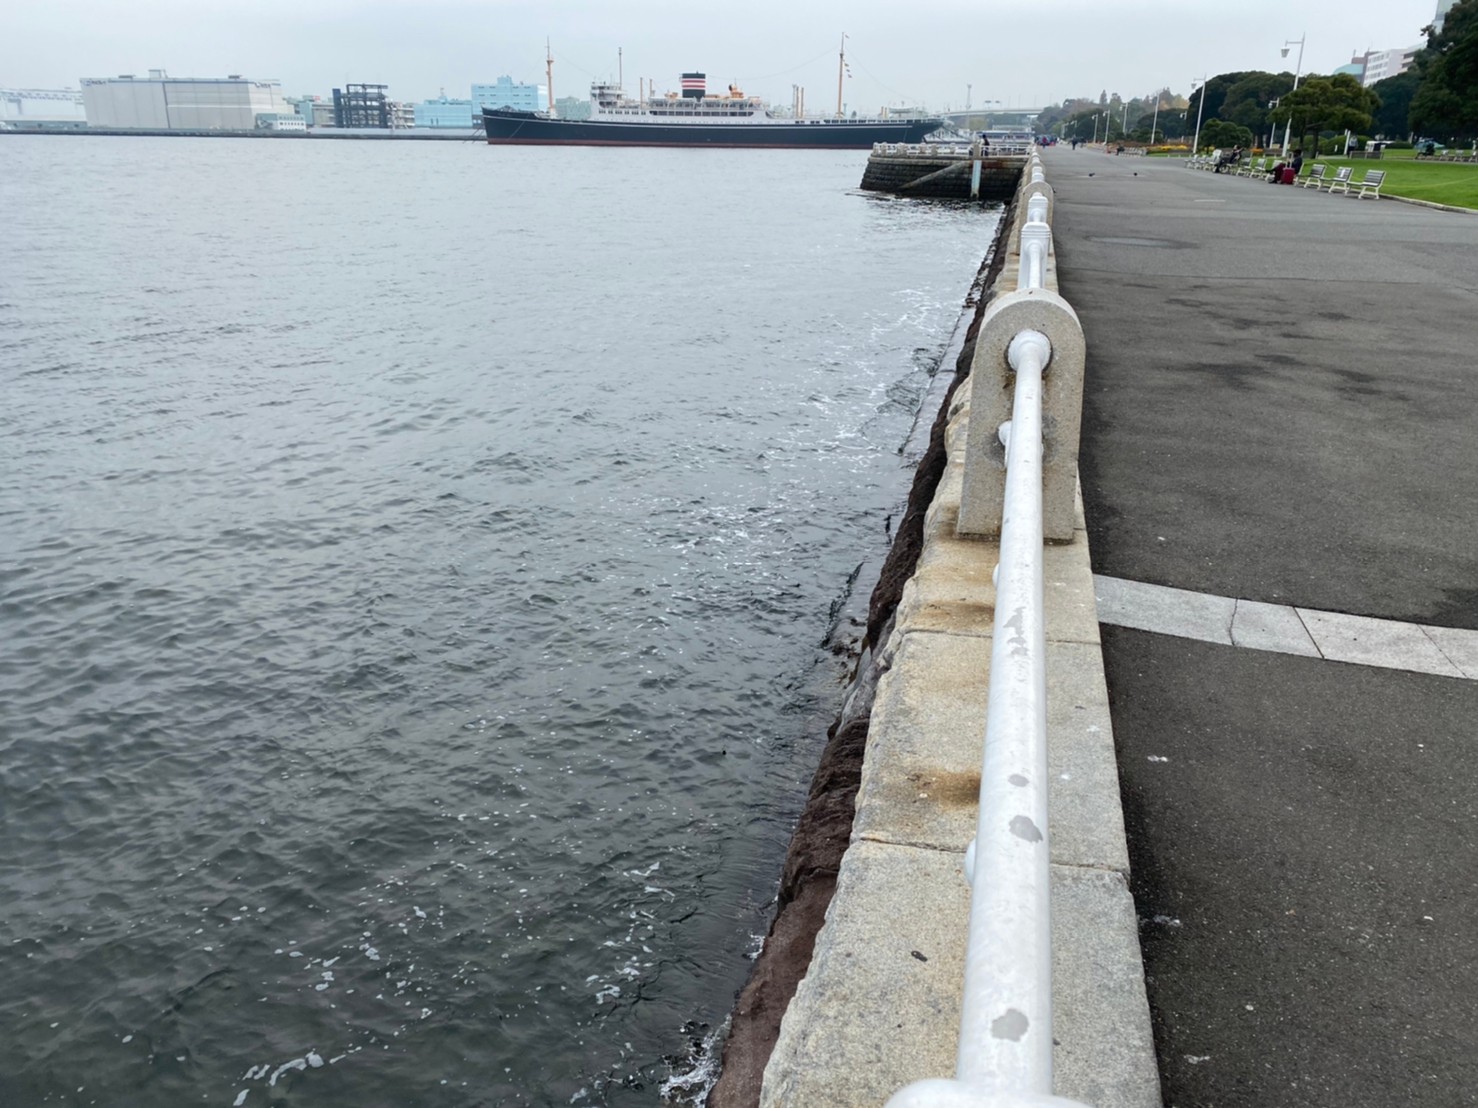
(945, 171)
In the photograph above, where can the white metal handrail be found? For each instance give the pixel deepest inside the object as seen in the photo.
(1005, 1046)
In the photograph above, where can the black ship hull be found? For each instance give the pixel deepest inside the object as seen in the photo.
(507, 127)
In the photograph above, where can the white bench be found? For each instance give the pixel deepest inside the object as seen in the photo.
(1370, 184)
(1341, 180)
(1315, 179)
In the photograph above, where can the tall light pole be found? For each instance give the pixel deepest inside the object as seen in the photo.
(1124, 126)
(1156, 121)
(1200, 105)
(1297, 72)
(1095, 126)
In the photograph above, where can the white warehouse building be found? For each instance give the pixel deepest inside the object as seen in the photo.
(163, 103)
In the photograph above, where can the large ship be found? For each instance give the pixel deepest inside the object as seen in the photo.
(694, 117)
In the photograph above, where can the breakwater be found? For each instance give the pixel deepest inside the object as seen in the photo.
(942, 171)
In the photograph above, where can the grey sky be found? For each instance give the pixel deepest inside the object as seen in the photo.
(914, 51)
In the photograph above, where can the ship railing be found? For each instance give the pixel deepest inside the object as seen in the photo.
(1004, 1055)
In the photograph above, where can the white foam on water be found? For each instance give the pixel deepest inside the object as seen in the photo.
(691, 1084)
(295, 1064)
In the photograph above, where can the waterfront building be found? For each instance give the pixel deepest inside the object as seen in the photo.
(444, 112)
(362, 106)
(402, 115)
(160, 102)
(41, 109)
(506, 93)
(304, 105)
(281, 121)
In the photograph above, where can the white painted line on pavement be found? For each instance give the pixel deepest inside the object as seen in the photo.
(1187, 615)
(1459, 646)
(1277, 627)
(1376, 642)
(1284, 629)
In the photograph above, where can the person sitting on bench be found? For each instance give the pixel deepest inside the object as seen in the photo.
(1295, 163)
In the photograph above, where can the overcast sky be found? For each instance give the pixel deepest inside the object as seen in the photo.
(900, 51)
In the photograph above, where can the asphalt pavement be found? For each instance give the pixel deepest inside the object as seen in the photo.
(1281, 403)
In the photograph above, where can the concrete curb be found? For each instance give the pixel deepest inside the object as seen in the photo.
(1430, 204)
(879, 1006)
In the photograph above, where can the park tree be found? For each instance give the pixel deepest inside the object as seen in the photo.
(1337, 103)
(1220, 133)
(1249, 101)
(1446, 102)
(1084, 125)
(1215, 90)
(1395, 95)
(1173, 123)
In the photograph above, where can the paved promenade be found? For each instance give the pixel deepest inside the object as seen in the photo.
(1280, 469)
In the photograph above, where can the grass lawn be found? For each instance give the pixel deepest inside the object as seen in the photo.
(1439, 182)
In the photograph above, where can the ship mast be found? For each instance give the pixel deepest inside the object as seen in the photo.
(841, 68)
(549, 74)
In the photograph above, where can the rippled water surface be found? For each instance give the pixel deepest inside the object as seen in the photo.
(419, 565)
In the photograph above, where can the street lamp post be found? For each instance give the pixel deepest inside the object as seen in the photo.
(1156, 122)
(1095, 127)
(1200, 104)
(1297, 72)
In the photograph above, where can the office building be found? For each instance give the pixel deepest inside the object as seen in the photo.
(506, 93)
(443, 112)
(1380, 64)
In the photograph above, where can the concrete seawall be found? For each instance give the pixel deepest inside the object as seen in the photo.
(879, 850)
